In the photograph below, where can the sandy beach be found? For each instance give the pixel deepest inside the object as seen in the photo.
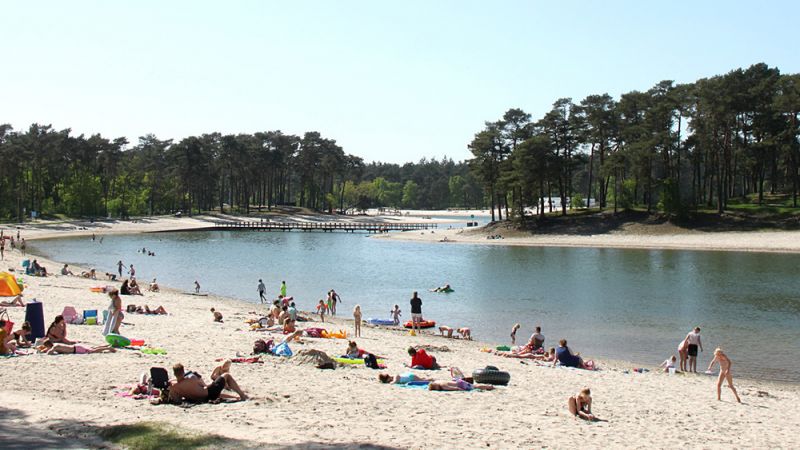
(61, 401)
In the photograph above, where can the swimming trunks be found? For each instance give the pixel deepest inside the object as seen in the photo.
(215, 388)
(463, 385)
(81, 350)
(692, 350)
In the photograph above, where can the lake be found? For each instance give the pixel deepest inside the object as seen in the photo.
(632, 305)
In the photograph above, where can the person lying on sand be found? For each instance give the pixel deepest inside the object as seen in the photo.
(401, 378)
(91, 274)
(193, 389)
(217, 315)
(54, 348)
(16, 302)
(457, 385)
(581, 405)
(146, 310)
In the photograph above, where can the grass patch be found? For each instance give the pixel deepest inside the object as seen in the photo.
(156, 435)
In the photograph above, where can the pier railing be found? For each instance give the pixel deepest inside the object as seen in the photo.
(369, 227)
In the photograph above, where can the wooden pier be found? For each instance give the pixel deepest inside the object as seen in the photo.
(369, 227)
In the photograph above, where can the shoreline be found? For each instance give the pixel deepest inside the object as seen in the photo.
(376, 414)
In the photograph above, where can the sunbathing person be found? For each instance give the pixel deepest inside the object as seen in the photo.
(193, 389)
(90, 274)
(457, 385)
(581, 405)
(21, 336)
(16, 302)
(134, 287)
(420, 359)
(401, 378)
(289, 326)
(221, 369)
(146, 310)
(57, 332)
(55, 348)
(565, 357)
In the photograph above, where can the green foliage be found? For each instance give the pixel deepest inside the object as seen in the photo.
(626, 195)
(155, 435)
(410, 194)
(670, 202)
(578, 201)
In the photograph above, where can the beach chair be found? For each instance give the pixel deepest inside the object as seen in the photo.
(90, 317)
(159, 377)
(71, 316)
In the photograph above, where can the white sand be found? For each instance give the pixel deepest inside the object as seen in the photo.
(71, 395)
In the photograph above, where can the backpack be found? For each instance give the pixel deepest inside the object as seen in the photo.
(371, 361)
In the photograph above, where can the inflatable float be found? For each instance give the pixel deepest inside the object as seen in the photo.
(117, 341)
(421, 324)
(491, 375)
(380, 321)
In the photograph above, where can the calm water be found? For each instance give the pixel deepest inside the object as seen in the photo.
(633, 305)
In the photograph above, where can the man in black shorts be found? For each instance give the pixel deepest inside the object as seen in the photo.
(192, 388)
(416, 312)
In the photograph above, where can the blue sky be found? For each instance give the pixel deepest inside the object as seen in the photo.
(390, 81)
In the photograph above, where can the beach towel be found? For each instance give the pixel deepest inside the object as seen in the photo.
(253, 360)
(282, 349)
(153, 351)
(111, 323)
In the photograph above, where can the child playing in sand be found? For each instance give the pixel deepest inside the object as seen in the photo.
(395, 313)
(465, 333)
(445, 329)
(581, 405)
(724, 373)
(321, 307)
(514, 333)
(352, 350)
(669, 363)
(217, 315)
(357, 320)
(223, 368)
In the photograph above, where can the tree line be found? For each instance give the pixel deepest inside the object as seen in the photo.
(675, 147)
(52, 171)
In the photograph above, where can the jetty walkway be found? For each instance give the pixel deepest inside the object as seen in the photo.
(369, 227)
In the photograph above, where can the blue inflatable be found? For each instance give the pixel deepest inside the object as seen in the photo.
(380, 321)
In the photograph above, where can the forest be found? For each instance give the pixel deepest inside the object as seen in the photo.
(674, 149)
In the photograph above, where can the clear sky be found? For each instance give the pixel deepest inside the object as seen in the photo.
(390, 81)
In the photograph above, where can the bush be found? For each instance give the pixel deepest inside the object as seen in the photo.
(578, 201)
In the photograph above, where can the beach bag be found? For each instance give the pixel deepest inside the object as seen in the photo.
(9, 325)
(371, 361)
(282, 349)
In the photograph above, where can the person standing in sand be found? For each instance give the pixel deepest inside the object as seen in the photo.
(196, 287)
(119, 267)
(283, 289)
(724, 373)
(2, 249)
(694, 342)
(357, 320)
(416, 312)
(683, 353)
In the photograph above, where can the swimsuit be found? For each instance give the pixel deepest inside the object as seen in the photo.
(80, 350)
(406, 378)
(215, 388)
(463, 385)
